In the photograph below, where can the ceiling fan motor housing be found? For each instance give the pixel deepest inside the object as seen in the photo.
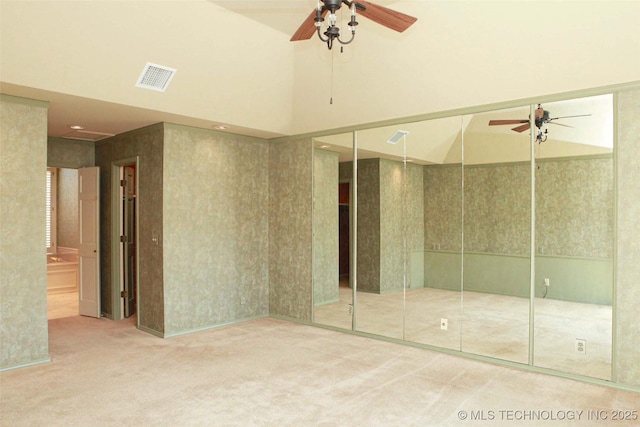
(544, 119)
(332, 5)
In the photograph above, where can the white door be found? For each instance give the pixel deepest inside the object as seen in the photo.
(129, 240)
(88, 252)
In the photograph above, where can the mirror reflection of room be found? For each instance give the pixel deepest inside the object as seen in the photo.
(497, 236)
(333, 292)
(382, 241)
(575, 238)
(62, 242)
(444, 234)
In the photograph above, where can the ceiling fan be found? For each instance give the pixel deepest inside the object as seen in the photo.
(541, 118)
(313, 24)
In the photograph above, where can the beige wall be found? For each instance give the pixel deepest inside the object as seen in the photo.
(627, 361)
(216, 228)
(23, 278)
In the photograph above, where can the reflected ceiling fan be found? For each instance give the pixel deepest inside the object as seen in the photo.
(313, 24)
(541, 118)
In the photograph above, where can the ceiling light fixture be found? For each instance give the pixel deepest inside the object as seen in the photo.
(76, 127)
(333, 32)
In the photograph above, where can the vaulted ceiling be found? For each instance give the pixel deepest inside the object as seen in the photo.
(236, 66)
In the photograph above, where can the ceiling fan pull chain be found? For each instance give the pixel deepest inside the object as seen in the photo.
(331, 86)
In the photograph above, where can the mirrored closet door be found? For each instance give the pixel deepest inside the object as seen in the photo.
(574, 232)
(490, 233)
(381, 231)
(433, 296)
(497, 234)
(332, 231)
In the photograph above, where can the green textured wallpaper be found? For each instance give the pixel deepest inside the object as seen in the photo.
(325, 223)
(628, 245)
(147, 144)
(290, 217)
(215, 227)
(23, 275)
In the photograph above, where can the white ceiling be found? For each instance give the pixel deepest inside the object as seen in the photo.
(236, 66)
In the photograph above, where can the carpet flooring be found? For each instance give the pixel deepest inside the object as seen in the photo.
(485, 324)
(270, 372)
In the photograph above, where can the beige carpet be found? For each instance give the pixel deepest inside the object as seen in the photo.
(485, 324)
(270, 372)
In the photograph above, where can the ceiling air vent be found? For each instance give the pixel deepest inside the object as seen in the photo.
(155, 77)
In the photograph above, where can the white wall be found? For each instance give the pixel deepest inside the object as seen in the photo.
(465, 53)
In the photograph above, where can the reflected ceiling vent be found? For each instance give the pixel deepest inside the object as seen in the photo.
(397, 136)
(86, 135)
(155, 77)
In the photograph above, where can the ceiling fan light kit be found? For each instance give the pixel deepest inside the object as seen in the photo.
(313, 24)
(333, 32)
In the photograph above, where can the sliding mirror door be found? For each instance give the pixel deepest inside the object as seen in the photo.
(381, 231)
(332, 231)
(575, 237)
(436, 241)
(497, 234)
(434, 233)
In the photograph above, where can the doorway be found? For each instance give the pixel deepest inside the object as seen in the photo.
(344, 231)
(62, 242)
(125, 237)
(72, 224)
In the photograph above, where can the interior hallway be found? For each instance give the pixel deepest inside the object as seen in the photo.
(63, 304)
(271, 372)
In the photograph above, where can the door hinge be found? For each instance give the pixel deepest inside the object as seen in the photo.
(123, 239)
(124, 294)
(123, 183)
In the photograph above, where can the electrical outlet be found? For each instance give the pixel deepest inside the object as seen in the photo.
(350, 309)
(546, 281)
(444, 324)
(581, 346)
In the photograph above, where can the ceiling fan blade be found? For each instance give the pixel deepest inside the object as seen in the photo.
(384, 16)
(308, 27)
(521, 128)
(560, 124)
(506, 122)
(569, 117)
